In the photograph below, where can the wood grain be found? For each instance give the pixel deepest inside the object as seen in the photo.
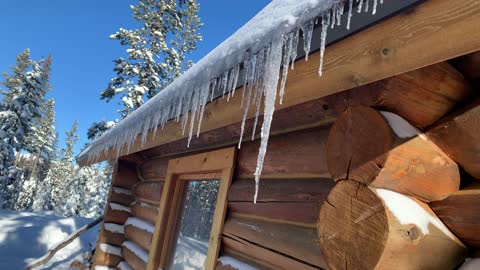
(285, 190)
(363, 228)
(263, 256)
(306, 212)
(297, 154)
(148, 192)
(297, 242)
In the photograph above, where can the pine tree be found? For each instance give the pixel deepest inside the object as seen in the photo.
(156, 51)
(41, 141)
(26, 89)
(60, 176)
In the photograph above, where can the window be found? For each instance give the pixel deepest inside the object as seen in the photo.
(192, 211)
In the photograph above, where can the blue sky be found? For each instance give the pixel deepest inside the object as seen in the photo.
(76, 34)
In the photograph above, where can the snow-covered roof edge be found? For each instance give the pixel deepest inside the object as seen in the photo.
(262, 46)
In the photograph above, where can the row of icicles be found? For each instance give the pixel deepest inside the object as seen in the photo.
(260, 76)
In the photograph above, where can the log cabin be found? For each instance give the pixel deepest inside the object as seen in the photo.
(252, 160)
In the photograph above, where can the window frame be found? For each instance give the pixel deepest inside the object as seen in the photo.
(217, 164)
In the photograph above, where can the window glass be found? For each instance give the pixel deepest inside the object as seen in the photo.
(194, 223)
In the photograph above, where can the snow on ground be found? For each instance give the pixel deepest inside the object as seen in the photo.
(26, 236)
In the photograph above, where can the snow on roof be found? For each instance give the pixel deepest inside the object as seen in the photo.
(261, 47)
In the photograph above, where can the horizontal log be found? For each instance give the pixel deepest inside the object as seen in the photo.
(154, 169)
(145, 211)
(298, 154)
(138, 236)
(121, 198)
(149, 192)
(111, 238)
(229, 261)
(287, 211)
(125, 175)
(297, 242)
(458, 135)
(106, 259)
(263, 256)
(285, 190)
(115, 216)
(461, 214)
(132, 259)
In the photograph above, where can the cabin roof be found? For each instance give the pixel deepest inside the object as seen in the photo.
(226, 65)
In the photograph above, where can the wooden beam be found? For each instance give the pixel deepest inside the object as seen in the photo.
(432, 32)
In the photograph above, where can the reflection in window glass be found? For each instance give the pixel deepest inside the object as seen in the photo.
(194, 223)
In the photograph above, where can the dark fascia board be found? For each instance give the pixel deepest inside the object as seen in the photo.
(359, 22)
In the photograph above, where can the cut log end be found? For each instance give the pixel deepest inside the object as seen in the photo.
(358, 130)
(367, 228)
(353, 227)
(382, 150)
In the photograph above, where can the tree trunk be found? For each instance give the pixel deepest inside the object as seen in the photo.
(367, 228)
(382, 150)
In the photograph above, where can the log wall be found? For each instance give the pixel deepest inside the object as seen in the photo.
(280, 231)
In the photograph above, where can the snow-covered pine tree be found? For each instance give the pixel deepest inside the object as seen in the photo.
(156, 51)
(26, 89)
(40, 142)
(60, 176)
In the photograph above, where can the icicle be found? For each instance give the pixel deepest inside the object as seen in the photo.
(293, 55)
(349, 19)
(213, 85)
(257, 111)
(247, 106)
(307, 30)
(287, 46)
(323, 40)
(246, 70)
(270, 83)
(236, 71)
(203, 103)
(195, 102)
(360, 5)
(367, 5)
(334, 16)
(224, 82)
(340, 11)
(374, 11)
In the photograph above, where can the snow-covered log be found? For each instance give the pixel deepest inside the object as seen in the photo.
(134, 255)
(459, 136)
(117, 213)
(139, 231)
(145, 211)
(121, 195)
(369, 228)
(383, 150)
